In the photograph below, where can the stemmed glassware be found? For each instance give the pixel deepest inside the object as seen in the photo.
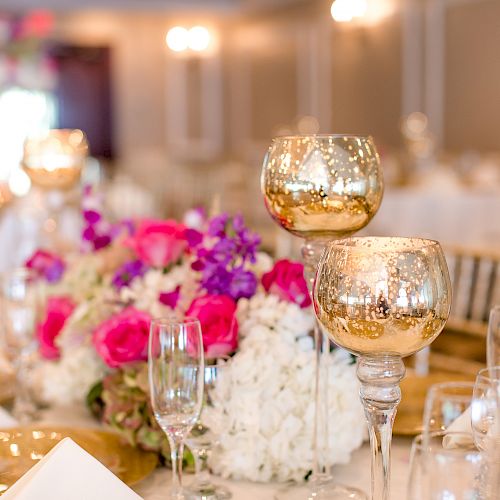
(321, 187)
(441, 472)
(485, 417)
(493, 338)
(382, 299)
(176, 371)
(204, 436)
(19, 311)
(445, 403)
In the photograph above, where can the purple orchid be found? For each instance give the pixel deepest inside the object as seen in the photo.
(128, 272)
(222, 262)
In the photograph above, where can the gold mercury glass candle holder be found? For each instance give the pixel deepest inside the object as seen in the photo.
(321, 188)
(55, 160)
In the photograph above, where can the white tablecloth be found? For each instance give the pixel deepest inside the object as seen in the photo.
(452, 217)
(356, 473)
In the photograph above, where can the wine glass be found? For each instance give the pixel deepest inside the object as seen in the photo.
(493, 339)
(203, 437)
(321, 187)
(447, 408)
(382, 299)
(438, 472)
(176, 369)
(19, 310)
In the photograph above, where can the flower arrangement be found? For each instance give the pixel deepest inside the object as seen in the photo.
(94, 337)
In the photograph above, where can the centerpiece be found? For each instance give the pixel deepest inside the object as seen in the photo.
(98, 306)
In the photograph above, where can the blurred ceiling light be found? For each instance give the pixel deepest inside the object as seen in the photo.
(198, 38)
(346, 10)
(365, 12)
(178, 39)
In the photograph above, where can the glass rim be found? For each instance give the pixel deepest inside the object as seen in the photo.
(279, 138)
(173, 320)
(452, 383)
(416, 242)
(495, 308)
(484, 375)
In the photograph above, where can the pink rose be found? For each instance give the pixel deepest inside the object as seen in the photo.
(158, 243)
(286, 280)
(123, 338)
(58, 310)
(219, 327)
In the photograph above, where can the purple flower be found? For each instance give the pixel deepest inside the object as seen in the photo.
(47, 265)
(128, 272)
(243, 284)
(170, 299)
(217, 225)
(222, 263)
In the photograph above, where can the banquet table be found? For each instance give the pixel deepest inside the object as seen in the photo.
(356, 473)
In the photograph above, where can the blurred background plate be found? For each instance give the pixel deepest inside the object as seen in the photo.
(414, 390)
(23, 447)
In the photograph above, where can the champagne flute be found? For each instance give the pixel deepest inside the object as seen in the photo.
(205, 435)
(19, 311)
(176, 369)
(321, 187)
(382, 299)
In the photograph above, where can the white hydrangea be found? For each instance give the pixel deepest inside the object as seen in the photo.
(144, 292)
(267, 422)
(69, 380)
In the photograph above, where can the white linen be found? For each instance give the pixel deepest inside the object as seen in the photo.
(69, 472)
(462, 425)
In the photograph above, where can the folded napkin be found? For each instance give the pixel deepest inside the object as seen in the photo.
(68, 472)
(463, 427)
(6, 420)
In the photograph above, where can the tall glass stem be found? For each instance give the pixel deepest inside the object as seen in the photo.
(311, 253)
(176, 454)
(380, 395)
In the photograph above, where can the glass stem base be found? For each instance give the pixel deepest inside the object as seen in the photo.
(380, 395)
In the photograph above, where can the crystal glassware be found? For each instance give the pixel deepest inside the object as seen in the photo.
(204, 436)
(438, 472)
(485, 418)
(319, 188)
(19, 310)
(382, 299)
(445, 403)
(493, 339)
(176, 371)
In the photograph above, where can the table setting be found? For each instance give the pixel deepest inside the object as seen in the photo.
(162, 358)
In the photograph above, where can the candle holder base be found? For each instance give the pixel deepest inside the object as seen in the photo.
(322, 487)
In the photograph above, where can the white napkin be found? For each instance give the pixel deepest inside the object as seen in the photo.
(462, 425)
(68, 472)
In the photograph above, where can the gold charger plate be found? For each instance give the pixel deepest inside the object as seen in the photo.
(413, 393)
(23, 447)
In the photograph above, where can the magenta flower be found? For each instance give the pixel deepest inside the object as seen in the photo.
(58, 310)
(46, 265)
(123, 338)
(286, 280)
(158, 243)
(219, 326)
(170, 299)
